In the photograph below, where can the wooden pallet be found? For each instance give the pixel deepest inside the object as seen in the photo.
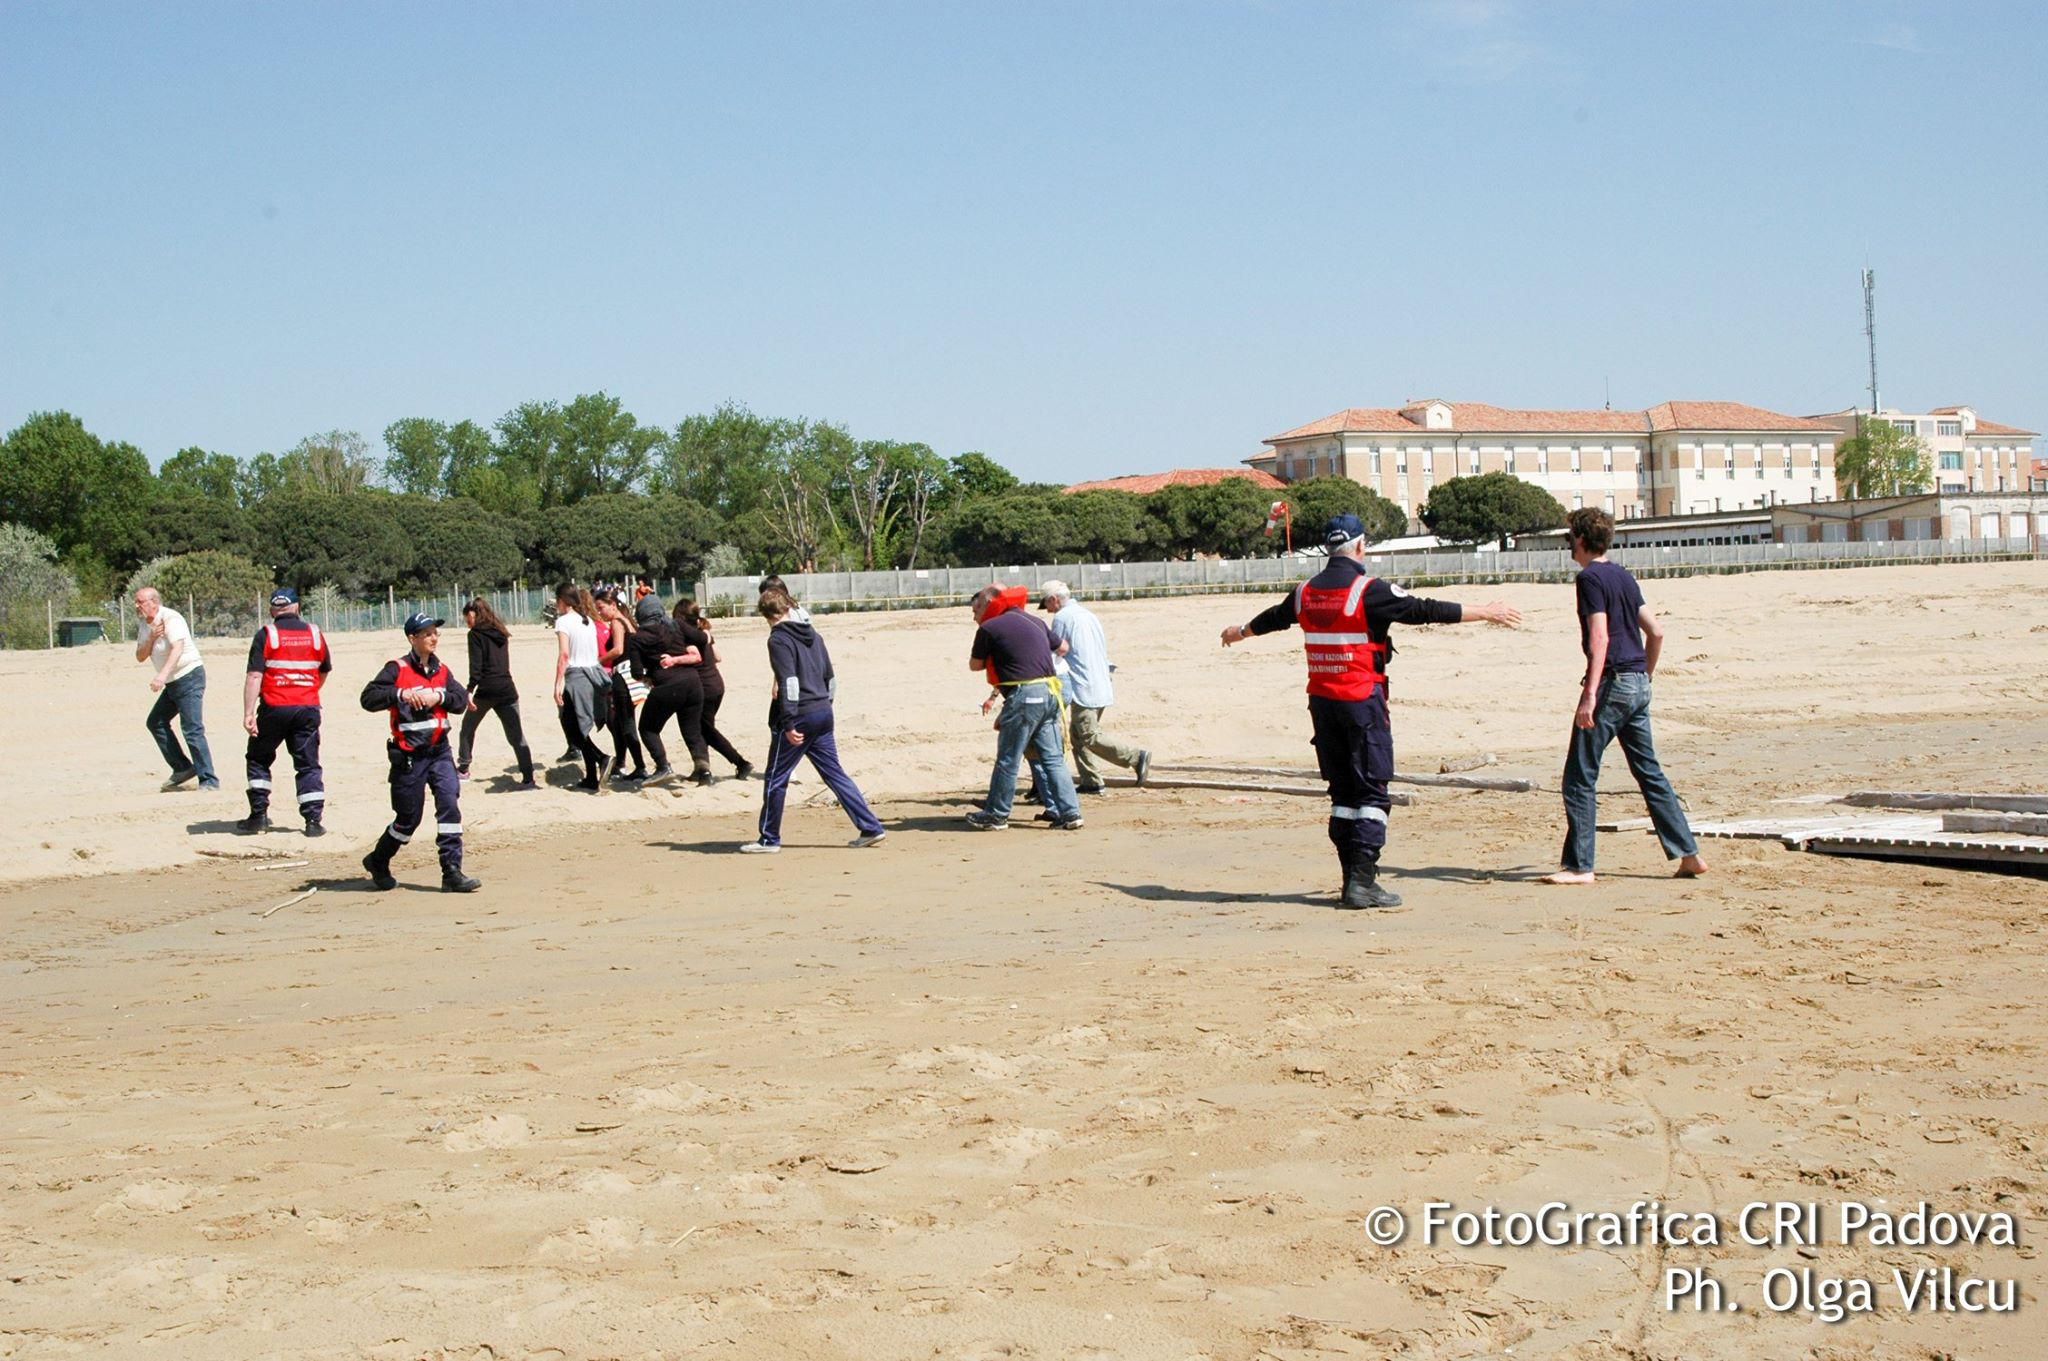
(1898, 836)
(1797, 831)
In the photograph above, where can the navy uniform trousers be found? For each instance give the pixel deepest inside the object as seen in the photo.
(1355, 753)
(413, 773)
(297, 728)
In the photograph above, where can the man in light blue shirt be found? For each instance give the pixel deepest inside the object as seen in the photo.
(1077, 637)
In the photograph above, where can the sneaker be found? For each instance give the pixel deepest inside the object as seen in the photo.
(379, 872)
(455, 881)
(743, 771)
(661, 775)
(1073, 824)
(703, 777)
(621, 780)
(1143, 768)
(588, 786)
(254, 823)
(1091, 789)
(866, 839)
(528, 783)
(1047, 816)
(209, 786)
(570, 757)
(179, 777)
(987, 822)
(760, 848)
(313, 827)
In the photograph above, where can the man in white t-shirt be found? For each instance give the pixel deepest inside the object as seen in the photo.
(180, 685)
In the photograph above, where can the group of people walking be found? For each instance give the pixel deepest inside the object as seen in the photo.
(1052, 679)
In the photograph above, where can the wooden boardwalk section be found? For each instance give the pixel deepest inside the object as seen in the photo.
(1893, 836)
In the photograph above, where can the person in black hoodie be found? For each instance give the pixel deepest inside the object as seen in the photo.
(419, 691)
(801, 720)
(692, 623)
(670, 667)
(491, 689)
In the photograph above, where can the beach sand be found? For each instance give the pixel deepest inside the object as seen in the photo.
(1128, 1092)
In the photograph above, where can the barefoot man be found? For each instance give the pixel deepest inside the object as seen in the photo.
(1622, 640)
(1346, 616)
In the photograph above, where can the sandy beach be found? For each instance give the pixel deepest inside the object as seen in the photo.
(1132, 1092)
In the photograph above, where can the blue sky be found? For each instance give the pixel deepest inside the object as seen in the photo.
(1085, 238)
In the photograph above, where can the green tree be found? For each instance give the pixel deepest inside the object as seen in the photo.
(211, 475)
(1104, 526)
(602, 449)
(334, 462)
(1882, 460)
(30, 581)
(218, 592)
(58, 477)
(623, 535)
(313, 537)
(180, 520)
(979, 475)
(528, 436)
(455, 543)
(724, 459)
(1489, 506)
(1225, 519)
(1314, 500)
(810, 462)
(416, 460)
(260, 478)
(999, 531)
(927, 484)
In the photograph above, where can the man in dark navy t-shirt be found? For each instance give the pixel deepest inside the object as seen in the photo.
(1621, 639)
(1019, 650)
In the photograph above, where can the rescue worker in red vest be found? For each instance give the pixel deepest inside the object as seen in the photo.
(288, 661)
(419, 691)
(1345, 616)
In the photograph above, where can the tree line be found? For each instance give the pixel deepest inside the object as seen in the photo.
(584, 490)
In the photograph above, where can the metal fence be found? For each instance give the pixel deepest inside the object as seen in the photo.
(939, 586)
(35, 623)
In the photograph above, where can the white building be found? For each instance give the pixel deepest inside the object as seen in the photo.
(1970, 454)
(1676, 458)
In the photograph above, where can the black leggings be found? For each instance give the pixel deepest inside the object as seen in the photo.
(508, 717)
(683, 700)
(621, 722)
(714, 695)
(580, 742)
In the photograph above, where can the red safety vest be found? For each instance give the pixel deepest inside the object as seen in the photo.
(291, 665)
(1343, 660)
(417, 729)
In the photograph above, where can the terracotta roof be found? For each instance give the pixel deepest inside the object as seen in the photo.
(1725, 416)
(1944, 411)
(1480, 418)
(1143, 484)
(1985, 427)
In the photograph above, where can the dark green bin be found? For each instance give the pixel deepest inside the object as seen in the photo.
(78, 632)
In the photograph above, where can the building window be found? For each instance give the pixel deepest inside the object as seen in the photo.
(1606, 460)
(1699, 458)
(1375, 464)
(1903, 427)
(1575, 460)
(1401, 461)
(1948, 427)
(1507, 459)
(1639, 460)
(1578, 501)
(1610, 503)
(1543, 461)
(1952, 462)
(1728, 463)
(1475, 463)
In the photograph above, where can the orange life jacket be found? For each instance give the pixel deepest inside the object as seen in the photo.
(291, 665)
(417, 729)
(1343, 660)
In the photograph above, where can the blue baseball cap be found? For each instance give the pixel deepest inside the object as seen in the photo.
(420, 623)
(1342, 529)
(284, 595)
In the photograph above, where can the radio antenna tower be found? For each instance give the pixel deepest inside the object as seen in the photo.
(1870, 330)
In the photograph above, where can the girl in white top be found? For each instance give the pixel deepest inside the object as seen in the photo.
(581, 689)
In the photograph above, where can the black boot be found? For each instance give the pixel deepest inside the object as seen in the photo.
(453, 880)
(378, 865)
(313, 827)
(257, 821)
(525, 755)
(1362, 888)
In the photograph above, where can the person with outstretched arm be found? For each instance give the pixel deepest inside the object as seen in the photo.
(1346, 616)
(419, 691)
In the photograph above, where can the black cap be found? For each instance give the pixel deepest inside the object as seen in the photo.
(1342, 529)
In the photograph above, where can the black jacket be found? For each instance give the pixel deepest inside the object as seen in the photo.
(490, 662)
(1385, 605)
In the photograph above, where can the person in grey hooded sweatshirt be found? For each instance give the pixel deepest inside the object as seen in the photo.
(801, 721)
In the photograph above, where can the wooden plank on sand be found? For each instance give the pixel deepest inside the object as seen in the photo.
(1153, 781)
(1495, 783)
(2034, 853)
(2026, 824)
(1992, 803)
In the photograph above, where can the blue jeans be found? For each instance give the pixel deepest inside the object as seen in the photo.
(184, 697)
(1622, 710)
(1031, 720)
